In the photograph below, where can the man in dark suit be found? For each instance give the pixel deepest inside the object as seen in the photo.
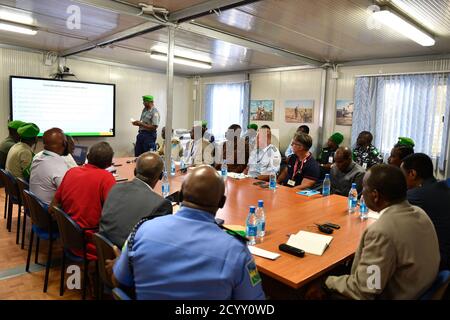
(432, 196)
(129, 202)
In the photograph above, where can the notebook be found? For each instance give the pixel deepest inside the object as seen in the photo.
(79, 154)
(310, 242)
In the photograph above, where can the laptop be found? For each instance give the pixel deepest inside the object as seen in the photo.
(79, 154)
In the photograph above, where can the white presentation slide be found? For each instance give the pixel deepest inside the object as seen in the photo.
(78, 108)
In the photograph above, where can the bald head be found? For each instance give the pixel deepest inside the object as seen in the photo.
(149, 166)
(204, 189)
(55, 140)
(343, 158)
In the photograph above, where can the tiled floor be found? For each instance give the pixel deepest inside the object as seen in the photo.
(15, 282)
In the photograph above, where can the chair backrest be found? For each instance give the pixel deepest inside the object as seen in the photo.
(72, 236)
(448, 182)
(105, 251)
(119, 294)
(438, 288)
(10, 184)
(22, 185)
(39, 215)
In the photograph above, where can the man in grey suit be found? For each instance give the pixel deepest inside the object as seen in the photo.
(129, 202)
(398, 255)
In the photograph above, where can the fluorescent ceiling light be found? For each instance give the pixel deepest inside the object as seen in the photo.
(22, 18)
(182, 52)
(181, 60)
(399, 24)
(16, 27)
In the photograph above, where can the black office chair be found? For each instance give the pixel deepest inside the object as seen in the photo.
(3, 178)
(105, 251)
(23, 185)
(44, 227)
(13, 198)
(73, 237)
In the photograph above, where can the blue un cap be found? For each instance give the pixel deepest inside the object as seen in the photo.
(252, 209)
(260, 203)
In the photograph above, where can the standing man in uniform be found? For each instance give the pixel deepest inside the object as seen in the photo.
(149, 122)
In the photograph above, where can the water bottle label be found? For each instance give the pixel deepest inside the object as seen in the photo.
(262, 226)
(224, 172)
(272, 184)
(326, 191)
(251, 231)
(352, 203)
(165, 189)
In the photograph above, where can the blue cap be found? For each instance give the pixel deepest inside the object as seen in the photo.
(327, 175)
(353, 185)
(260, 203)
(252, 209)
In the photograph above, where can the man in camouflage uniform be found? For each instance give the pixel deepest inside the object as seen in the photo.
(365, 154)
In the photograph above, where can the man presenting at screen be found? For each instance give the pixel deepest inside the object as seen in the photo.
(146, 138)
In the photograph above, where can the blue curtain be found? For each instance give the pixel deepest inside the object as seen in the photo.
(403, 105)
(226, 104)
(444, 145)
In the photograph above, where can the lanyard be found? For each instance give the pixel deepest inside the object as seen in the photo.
(301, 167)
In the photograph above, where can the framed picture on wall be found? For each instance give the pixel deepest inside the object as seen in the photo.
(299, 111)
(344, 112)
(261, 110)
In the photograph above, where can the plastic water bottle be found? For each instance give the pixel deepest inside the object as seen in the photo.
(172, 168)
(165, 185)
(261, 217)
(251, 226)
(363, 211)
(224, 170)
(352, 199)
(182, 164)
(326, 185)
(273, 180)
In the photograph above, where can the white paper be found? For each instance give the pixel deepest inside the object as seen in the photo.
(310, 242)
(263, 253)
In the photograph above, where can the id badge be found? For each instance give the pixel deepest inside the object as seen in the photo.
(291, 183)
(364, 166)
(330, 159)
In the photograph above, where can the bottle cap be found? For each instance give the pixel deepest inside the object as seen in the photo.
(252, 209)
(353, 185)
(260, 203)
(327, 175)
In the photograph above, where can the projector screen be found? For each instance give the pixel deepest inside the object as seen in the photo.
(81, 109)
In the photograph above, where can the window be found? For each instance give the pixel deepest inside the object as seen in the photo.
(421, 107)
(413, 105)
(226, 104)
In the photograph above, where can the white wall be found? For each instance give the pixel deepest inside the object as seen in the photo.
(131, 84)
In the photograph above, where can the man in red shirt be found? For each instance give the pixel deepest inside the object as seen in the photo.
(83, 192)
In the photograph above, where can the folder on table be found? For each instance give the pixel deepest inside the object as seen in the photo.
(310, 242)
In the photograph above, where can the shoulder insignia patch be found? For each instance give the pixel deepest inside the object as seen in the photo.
(253, 273)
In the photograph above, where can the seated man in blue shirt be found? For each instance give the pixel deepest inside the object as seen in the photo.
(187, 255)
(265, 159)
(302, 171)
(432, 196)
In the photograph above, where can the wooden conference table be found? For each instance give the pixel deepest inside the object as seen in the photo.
(286, 213)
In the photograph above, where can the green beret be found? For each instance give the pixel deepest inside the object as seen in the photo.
(204, 124)
(253, 126)
(404, 141)
(28, 130)
(16, 124)
(337, 138)
(147, 98)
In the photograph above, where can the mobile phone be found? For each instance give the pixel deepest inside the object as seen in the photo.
(332, 225)
(264, 186)
(174, 197)
(257, 183)
(220, 221)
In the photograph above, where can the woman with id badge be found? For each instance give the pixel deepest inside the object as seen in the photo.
(303, 170)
